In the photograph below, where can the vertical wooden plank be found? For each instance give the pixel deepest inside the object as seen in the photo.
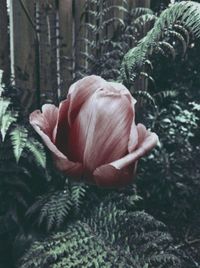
(47, 27)
(79, 46)
(67, 41)
(4, 41)
(24, 50)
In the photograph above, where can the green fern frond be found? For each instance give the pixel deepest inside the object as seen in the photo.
(109, 237)
(146, 20)
(77, 195)
(106, 23)
(6, 121)
(53, 209)
(144, 95)
(186, 13)
(139, 11)
(19, 137)
(167, 94)
(4, 104)
(180, 38)
(183, 31)
(37, 150)
(168, 48)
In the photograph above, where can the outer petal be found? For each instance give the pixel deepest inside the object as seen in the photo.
(45, 120)
(133, 138)
(80, 91)
(110, 177)
(101, 130)
(61, 130)
(149, 142)
(61, 161)
(116, 173)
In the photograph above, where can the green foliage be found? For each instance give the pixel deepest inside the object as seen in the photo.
(170, 176)
(19, 172)
(54, 208)
(108, 237)
(169, 36)
(37, 150)
(18, 137)
(18, 134)
(112, 37)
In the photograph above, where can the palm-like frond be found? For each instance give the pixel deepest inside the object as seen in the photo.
(186, 14)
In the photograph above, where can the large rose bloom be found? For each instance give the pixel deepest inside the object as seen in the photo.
(92, 135)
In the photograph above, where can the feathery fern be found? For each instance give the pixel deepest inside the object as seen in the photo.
(109, 237)
(173, 27)
(54, 208)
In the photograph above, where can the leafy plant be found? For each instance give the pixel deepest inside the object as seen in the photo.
(108, 237)
(54, 208)
(112, 37)
(171, 182)
(171, 34)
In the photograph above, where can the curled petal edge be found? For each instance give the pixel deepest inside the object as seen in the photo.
(61, 161)
(116, 174)
(110, 177)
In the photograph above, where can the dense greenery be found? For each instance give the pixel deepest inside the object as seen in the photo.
(47, 220)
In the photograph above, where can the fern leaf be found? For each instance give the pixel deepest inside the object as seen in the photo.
(186, 12)
(37, 149)
(139, 11)
(77, 195)
(6, 121)
(4, 103)
(19, 138)
(108, 237)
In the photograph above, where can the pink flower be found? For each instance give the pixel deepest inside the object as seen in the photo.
(92, 135)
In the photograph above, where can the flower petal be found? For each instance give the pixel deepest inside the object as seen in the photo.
(61, 130)
(109, 176)
(142, 133)
(118, 173)
(61, 161)
(45, 120)
(101, 130)
(149, 142)
(80, 91)
(133, 138)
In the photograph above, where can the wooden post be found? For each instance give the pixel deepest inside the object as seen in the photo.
(24, 51)
(4, 41)
(67, 32)
(79, 46)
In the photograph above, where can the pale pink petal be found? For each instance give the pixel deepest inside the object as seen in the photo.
(133, 138)
(142, 133)
(121, 90)
(61, 161)
(146, 145)
(61, 131)
(118, 173)
(80, 91)
(101, 131)
(45, 120)
(109, 176)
